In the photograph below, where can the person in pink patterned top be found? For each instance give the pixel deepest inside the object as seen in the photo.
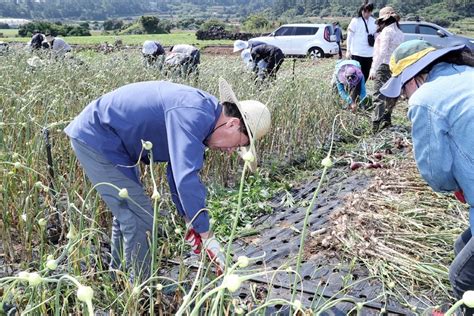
(390, 36)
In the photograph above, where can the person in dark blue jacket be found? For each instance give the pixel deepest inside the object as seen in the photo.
(171, 123)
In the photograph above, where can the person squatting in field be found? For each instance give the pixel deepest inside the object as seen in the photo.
(438, 85)
(153, 53)
(177, 122)
(390, 36)
(349, 83)
(265, 59)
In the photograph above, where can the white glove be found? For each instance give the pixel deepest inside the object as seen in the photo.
(214, 252)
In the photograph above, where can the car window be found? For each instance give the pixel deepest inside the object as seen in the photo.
(428, 30)
(306, 30)
(285, 31)
(408, 28)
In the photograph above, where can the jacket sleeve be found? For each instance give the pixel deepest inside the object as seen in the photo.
(343, 93)
(430, 132)
(186, 130)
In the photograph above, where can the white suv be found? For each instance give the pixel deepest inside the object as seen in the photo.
(313, 40)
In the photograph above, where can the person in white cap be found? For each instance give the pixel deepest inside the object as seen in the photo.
(439, 86)
(58, 46)
(152, 51)
(172, 124)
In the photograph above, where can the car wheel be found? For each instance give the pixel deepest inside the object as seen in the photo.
(315, 53)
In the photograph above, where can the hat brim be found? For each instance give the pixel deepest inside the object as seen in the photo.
(227, 95)
(393, 87)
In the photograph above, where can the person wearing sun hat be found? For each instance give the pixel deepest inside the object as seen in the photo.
(348, 81)
(439, 86)
(175, 123)
(151, 51)
(390, 36)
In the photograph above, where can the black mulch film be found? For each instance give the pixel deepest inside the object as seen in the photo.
(322, 278)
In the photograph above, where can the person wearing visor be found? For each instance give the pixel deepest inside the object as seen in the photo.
(439, 86)
(175, 123)
(349, 82)
(390, 36)
(153, 53)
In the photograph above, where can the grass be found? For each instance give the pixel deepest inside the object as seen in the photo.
(164, 39)
(8, 32)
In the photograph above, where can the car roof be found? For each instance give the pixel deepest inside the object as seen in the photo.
(304, 24)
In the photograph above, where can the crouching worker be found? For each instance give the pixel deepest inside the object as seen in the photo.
(260, 68)
(438, 85)
(175, 123)
(266, 58)
(348, 81)
(57, 45)
(153, 53)
(183, 58)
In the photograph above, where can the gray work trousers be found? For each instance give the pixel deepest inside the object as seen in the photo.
(131, 222)
(383, 106)
(461, 272)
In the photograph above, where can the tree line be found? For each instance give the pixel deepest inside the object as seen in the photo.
(271, 9)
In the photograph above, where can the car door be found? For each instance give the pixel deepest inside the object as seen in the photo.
(302, 39)
(430, 34)
(410, 31)
(283, 38)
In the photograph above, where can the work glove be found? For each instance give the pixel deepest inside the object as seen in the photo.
(214, 252)
(194, 240)
(211, 246)
(460, 196)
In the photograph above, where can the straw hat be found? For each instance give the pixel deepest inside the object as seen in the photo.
(386, 12)
(256, 117)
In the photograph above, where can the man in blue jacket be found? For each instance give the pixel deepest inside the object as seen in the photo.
(174, 123)
(438, 85)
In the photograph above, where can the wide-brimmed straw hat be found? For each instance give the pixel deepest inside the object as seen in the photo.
(408, 60)
(386, 12)
(256, 117)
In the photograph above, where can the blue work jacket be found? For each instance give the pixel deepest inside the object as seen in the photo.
(442, 115)
(177, 119)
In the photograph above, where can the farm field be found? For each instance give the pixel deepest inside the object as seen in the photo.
(164, 39)
(364, 241)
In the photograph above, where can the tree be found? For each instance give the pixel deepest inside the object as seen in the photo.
(150, 24)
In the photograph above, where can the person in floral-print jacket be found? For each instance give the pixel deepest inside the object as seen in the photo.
(389, 38)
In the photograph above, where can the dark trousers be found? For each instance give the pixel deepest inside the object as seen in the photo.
(274, 64)
(340, 50)
(383, 106)
(365, 64)
(461, 272)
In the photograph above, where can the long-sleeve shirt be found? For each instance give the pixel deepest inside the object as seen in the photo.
(357, 43)
(385, 43)
(442, 116)
(177, 119)
(341, 88)
(60, 46)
